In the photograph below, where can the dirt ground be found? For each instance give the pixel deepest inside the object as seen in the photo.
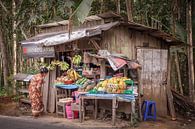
(13, 109)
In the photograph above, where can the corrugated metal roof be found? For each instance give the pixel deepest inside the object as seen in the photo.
(53, 39)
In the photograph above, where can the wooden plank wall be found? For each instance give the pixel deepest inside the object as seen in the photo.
(123, 40)
(126, 41)
(51, 97)
(65, 27)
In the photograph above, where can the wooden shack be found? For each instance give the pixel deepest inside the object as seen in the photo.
(109, 31)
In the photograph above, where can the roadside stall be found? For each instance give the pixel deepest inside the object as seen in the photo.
(101, 86)
(98, 63)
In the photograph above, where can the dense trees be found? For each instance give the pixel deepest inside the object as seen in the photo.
(18, 18)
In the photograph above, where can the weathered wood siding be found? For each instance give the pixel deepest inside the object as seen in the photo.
(65, 27)
(153, 75)
(154, 63)
(123, 40)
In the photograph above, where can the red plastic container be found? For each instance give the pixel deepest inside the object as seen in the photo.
(69, 82)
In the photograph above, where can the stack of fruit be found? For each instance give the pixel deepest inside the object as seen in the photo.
(87, 86)
(61, 80)
(76, 60)
(73, 75)
(81, 81)
(112, 85)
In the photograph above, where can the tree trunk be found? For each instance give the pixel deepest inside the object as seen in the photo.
(118, 7)
(14, 43)
(129, 10)
(102, 6)
(4, 60)
(190, 50)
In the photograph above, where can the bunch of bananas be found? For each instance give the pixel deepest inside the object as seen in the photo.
(64, 66)
(73, 75)
(76, 60)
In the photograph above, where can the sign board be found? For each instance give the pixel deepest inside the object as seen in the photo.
(31, 51)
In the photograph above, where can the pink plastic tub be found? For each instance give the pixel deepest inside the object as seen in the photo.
(69, 112)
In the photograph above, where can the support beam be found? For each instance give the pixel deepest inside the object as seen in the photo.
(168, 89)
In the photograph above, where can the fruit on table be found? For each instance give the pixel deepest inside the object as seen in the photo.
(61, 80)
(87, 86)
(112, 85)
(72, 74)
(81, 81)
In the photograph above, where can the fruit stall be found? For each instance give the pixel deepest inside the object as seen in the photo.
(81, 86)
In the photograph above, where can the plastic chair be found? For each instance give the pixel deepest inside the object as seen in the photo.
(148, 114)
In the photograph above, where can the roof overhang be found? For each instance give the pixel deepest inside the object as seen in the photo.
(53, 39)
(171, 40)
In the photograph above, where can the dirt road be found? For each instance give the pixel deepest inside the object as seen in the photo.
(7, 122)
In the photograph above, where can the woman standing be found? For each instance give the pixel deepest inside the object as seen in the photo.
(35, 92)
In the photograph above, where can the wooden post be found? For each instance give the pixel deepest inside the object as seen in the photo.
(178, 73)
(103, 69)
(190, 50)
(83, 109)
(80, 108)
(113, 110)
(132, 111)
(125, 71)
(139, 94)
(96, 109)
(168, 89)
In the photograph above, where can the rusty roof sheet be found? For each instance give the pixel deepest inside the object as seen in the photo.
(53, 39)
(56, 38)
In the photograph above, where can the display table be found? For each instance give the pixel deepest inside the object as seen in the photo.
(66, 89)
(63, 91)
(115, 98)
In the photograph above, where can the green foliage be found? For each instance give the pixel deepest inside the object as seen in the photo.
(181, 32)
(82, 11)
(3, 92)
(158, 9)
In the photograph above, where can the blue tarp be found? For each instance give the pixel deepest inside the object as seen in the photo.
(68, 87)
(124, 97)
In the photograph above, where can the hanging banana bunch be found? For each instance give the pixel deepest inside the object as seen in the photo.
(63, 65)
(76, 60)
